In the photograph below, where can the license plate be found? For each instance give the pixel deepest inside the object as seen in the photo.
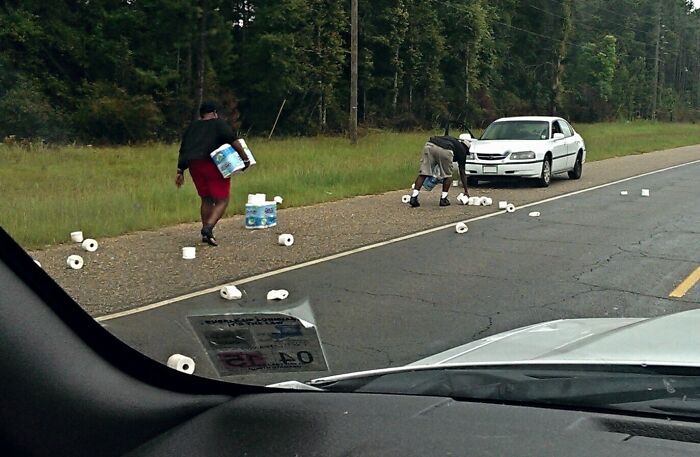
(491, 169)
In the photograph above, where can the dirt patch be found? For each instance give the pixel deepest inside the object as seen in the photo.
(146, 267)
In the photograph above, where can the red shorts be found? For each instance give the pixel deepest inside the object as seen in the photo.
(208, 180)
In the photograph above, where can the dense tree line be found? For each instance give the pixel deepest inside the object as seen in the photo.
(133, 70)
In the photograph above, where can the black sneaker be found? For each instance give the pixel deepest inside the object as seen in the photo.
(414, 202)
(444, 202)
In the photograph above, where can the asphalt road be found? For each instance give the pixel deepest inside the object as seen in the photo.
(594, 254)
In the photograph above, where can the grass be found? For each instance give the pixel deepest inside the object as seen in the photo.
(49, 192)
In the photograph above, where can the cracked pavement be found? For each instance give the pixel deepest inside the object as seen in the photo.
(596, 254)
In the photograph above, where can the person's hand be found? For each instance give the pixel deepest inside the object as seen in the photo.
(179, 180)
(246, 165)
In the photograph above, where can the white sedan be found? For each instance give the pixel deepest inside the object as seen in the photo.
(527, 147)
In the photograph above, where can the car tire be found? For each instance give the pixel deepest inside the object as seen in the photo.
(472, 182)
(546, 176)
(578, 168)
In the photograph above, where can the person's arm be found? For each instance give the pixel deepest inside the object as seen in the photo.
(182, 165)
(229, 137)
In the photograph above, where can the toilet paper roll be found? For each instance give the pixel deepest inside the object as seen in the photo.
(405, 199)
(534, 214)
(280, 294)
(413, 186)
(461, 228)
(37, 262)
(285, 239)
(189, 253)
(455, 183)
(90, 245)
(489, 202)
(231, 292)
(624, 192)
(645, 192)
(182, 363)
(76, 237)
(510, 208)
(278, 200)
(474, 201)
(463, 199)
(502, 204)
(75, 262)
(483, 201)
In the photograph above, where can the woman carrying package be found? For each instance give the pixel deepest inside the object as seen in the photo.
(201, 138)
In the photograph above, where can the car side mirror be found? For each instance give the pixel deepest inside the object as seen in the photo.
(558, 136)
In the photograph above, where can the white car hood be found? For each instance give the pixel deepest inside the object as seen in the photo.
(501, 146)
(667, 340)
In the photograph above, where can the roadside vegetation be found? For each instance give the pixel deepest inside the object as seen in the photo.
(49, 192)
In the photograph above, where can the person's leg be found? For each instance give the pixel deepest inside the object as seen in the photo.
(219, 206)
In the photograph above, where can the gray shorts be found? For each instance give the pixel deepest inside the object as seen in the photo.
(436, 161)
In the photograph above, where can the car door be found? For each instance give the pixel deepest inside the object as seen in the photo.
(571, 145)
(559, 149)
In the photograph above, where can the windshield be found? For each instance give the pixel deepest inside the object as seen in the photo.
(242, 192)
(517, 130)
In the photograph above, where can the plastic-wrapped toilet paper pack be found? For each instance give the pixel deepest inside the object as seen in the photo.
(189, 253)
(90, 245)
(285, 239)
(231, 292)
(76, 237)
(461, 228)
(502, 204)
(75, 262)
(405, 198)
(510, 208)
(181, 363)
(278, 200)
(280, 294)
(534, 214)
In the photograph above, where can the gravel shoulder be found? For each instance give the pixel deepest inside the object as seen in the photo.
(146, 267)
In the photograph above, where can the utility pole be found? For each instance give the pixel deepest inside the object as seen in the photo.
(656, 69)
(353, 72)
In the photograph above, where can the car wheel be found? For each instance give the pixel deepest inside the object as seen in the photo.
(472, 182)
(546, 176)
(578, 167)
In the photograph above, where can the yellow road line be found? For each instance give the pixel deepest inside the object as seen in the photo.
(686, 285)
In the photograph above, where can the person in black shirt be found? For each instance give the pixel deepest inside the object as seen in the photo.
(439, 153)
(200, 139)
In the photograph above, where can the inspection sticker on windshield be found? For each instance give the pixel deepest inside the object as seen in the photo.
(242, 344)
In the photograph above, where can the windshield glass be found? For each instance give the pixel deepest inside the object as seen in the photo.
(517, 130)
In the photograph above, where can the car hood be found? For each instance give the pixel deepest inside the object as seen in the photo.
(501, 146)
(667, 340)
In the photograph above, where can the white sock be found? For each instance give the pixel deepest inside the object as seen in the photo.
(415, 193)
(444, 195)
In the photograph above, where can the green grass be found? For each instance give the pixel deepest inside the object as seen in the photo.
(49, 192)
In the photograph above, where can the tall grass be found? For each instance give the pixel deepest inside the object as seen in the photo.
(49, 192)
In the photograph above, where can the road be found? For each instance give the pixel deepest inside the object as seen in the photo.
(592, 254)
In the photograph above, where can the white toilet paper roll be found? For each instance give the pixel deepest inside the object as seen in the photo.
(75, 262)
(474, 201)
(231, 292)
(534, 214)
(182, 363)
(489, 201)
(624, 192)
(455, 183)
(645, 192)
(76, 237)
(285, 239)
(280, 294)
(90, 245)
(189, 253)
(405, 198)
(461, 228)
(463, 199)
(278, 200)
(483, 201)
(510, 208)
(502, 204)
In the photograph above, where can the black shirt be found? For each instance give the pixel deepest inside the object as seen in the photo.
(201, 138)
(459, 149)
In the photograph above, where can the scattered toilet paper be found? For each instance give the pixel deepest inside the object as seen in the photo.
(502, 204)
(483, 201)
(75, 262)
(189, 253)
(463, 199)
(624, 192)
(76, 237)
(455, 183)
(285, 239)
(461, 228)
(405, 199)
(90, 245)
(534, 214)
(181, 363)
(231, 292)
(645, 192)
(278, 200)
(474, 201)
(510, 208)
(277, 294)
